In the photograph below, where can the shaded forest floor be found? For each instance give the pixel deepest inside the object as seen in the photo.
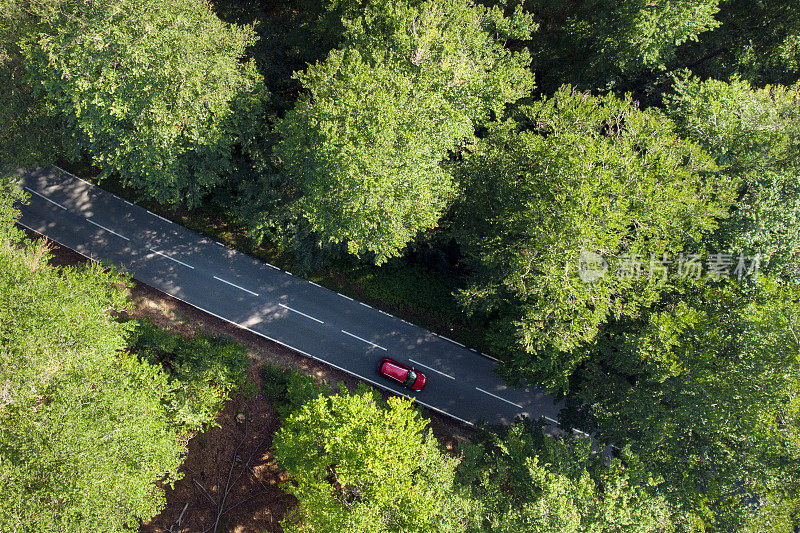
(231, 480)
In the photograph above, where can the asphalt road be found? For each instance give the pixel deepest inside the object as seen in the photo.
(270, 302)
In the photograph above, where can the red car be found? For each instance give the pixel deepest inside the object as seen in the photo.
(406, 376)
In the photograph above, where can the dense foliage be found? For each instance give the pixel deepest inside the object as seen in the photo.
(409, 84)
(361, 132)
(577, 174)
(84, 435)
(529, 483)
(755, 136)
(288, 390)
(145, 88)
(704, 389)
(360, 466)
(91, 432)
(202, 371)
(757, 41)
(28, 132)
(597, 45)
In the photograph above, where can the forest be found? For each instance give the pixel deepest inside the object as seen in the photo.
(604, 195)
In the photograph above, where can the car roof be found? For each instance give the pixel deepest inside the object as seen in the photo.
(394, 369)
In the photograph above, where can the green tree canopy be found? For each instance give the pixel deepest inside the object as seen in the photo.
(28, 131)
(596, 44)
(411, 81)
(84, 435)
(362, 467)
(757, 41)
(704, 389)
(755, 136)
(527, 482)
(145, 87)
(577, 174)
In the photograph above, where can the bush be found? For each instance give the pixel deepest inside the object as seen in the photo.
(288, 390)
(274, 383)
(203, 370)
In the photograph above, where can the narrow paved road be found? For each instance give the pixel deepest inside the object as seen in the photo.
(270, 302)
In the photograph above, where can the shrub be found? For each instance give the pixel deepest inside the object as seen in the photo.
(203, 370)
(288, 389)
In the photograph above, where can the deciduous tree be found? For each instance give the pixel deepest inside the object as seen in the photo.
(703, 388)
(84, 434)
(598, 44)
(527, 482)
(29, 133)
(756, 41)
(577, 174)
(755, 136)
(362, 467)
(409, 83)
(145, 87)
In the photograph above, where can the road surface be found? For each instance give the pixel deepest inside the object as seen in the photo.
(297, 313)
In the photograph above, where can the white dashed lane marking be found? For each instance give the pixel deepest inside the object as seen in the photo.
(235, 285)
(171, 258)
(158, 216)
(451, 340)
(90, 221)
(45, 198)
(498, 397)
(364, 340)
(301, 313)
(429, 368)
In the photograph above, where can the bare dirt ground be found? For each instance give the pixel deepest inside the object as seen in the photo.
(231, 481)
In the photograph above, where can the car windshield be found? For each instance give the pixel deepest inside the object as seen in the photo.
(410, 378)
